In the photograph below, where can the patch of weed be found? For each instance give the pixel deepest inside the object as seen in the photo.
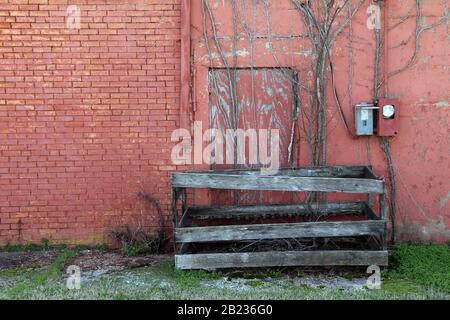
(266, 274)
(427, 265)
(135, 239)
(304, 288)
(44, 245)
(254, 283)
(185, 278)
(17, 271)
(133, 249)
(391, 285)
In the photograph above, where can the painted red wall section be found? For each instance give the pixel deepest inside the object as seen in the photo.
(420, 152)
(86, 115)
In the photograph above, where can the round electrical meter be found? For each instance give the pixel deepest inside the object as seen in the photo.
(388, 111)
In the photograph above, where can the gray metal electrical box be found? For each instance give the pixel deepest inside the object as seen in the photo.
(364, 119)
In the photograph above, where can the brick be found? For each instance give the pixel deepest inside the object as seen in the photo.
(75, 114)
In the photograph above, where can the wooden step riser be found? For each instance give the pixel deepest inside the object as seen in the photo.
(276, 183)
(281, 259)
(361, 171)
(280, 231)
(254, 211)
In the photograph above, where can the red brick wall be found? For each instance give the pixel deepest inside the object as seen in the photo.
(85, 114)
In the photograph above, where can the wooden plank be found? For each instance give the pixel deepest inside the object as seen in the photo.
(383, 208)
(276, 183)
(173, 206)
(356, 207)
(281, 259)
(330, 172)
(279, 231)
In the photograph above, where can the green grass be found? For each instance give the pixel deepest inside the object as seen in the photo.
(191, 278)
(38, 279)
(269, 273)
(45, 245)
(17, 271)
(133, 249)
(426, 265)
(398, 285)
(418, 272)
(254, 283)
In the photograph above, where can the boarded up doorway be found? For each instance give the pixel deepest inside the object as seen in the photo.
(253, 98)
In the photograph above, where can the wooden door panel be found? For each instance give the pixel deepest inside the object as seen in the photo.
(264, 98)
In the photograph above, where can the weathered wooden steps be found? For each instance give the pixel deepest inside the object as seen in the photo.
(340, 179)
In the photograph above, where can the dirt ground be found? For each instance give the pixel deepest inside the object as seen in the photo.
(96, 262)
(90, 261)
(37, 259)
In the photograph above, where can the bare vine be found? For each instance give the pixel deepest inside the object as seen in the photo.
(420, 28)
(385, 142)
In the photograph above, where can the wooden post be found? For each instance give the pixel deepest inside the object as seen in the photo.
(184, 209)
(174, 209)
(183, 200)
(383, 215)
